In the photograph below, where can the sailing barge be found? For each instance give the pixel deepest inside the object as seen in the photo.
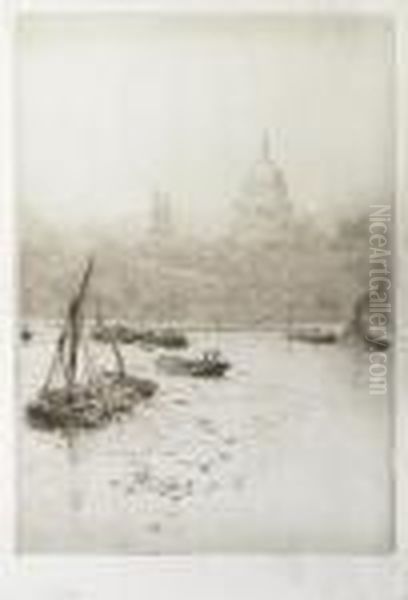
(91, 398)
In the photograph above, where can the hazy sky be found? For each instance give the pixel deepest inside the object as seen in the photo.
(110, 107)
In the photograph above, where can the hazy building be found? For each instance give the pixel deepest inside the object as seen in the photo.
(263, 208)
(161, 223)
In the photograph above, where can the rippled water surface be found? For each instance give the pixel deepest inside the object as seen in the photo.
(287, 453)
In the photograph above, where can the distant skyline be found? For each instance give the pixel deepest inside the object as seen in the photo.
(111, 108)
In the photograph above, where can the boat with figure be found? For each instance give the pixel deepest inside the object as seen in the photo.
(77, 394)
(210, 364)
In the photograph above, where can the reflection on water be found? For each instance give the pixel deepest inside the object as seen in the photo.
(288, 452)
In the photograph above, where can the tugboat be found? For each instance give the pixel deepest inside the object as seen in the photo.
(83, 397)
(209, 365)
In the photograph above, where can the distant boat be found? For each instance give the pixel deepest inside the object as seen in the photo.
(314, 335)
(209, 365)
(26, 334)
(90, 399)
(168, 337)
(359, 327)
(122, 334)
(105, 331)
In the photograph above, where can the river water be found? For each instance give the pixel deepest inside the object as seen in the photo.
(287, 453)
